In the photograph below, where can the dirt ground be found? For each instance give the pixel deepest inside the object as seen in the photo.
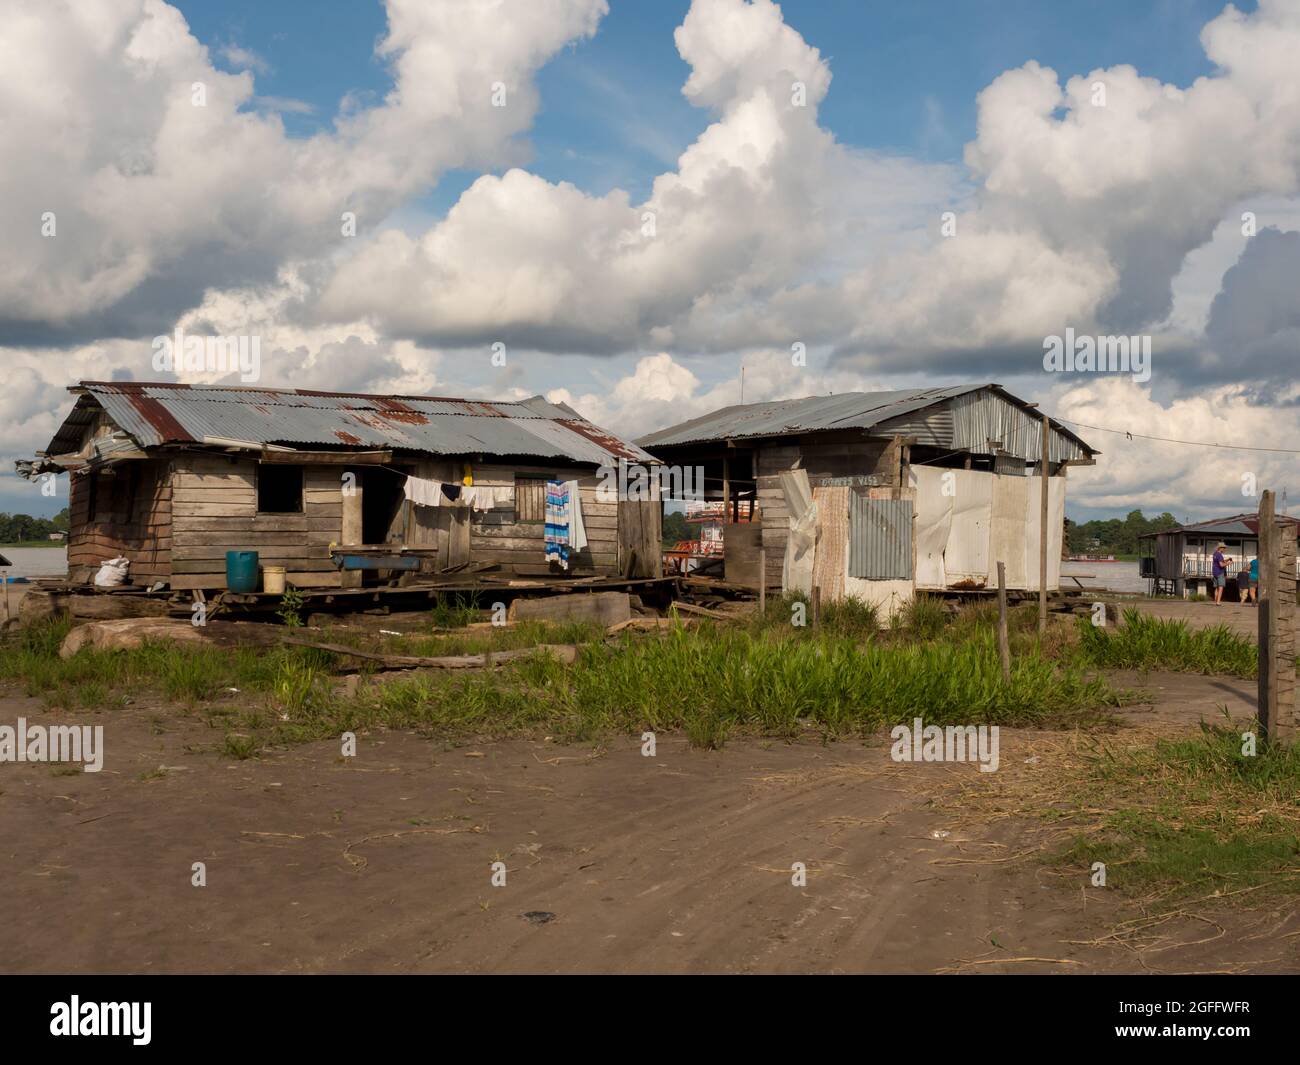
(615, 862)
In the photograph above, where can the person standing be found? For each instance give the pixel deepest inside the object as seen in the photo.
(1219, 571)
(1254, 580)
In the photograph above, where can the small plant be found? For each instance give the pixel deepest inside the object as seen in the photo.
(238, 745)
(290, 607)
(293, 685)
(924, 617)
(455, 613)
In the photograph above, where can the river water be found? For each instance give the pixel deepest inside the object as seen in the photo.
(1107, 576)
(37, 561)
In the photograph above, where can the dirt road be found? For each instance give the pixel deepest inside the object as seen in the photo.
(677, 863)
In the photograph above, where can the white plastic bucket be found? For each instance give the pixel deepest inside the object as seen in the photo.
(273, 580)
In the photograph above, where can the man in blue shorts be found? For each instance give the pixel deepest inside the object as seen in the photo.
(1220, 571)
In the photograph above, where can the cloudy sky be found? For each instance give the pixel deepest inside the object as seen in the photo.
(634, 200)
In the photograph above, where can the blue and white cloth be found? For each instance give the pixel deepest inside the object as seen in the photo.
(565, 535)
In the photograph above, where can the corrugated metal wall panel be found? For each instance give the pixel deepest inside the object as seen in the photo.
(932, 428)
(880, 538)
(979, 417)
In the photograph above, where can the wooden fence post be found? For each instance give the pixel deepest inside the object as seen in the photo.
(762, 582)
(1004, 643)
(1277, 619)
(1043, 470)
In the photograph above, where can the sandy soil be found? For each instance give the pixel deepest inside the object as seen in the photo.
(678, 863)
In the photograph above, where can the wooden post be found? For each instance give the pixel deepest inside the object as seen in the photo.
(817, 605)
(726, 492)
(762, 582)
(1004, 643)
(1042, 529)
(1277, 615)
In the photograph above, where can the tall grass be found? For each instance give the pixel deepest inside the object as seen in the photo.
(714, 682)
(1145, 642)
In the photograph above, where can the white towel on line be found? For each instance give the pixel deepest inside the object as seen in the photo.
(577, 530)
(423, 492)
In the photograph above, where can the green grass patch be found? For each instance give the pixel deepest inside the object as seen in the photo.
(1194, 816)
(710, 682)
(1144, 642)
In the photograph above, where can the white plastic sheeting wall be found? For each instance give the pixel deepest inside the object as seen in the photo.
(967, 521)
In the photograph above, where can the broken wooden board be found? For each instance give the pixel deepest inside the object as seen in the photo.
(648, 625)
(565, 652)
(605, 608)
(691, 608)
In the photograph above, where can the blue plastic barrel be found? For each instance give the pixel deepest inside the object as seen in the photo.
(241, 571)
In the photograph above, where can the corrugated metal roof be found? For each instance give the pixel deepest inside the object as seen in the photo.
(851, 410)
(156, 414)
(1237, 525)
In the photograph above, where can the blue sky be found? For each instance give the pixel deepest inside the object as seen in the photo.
(906, 75)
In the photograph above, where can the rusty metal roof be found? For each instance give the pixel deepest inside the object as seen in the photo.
(155, 414)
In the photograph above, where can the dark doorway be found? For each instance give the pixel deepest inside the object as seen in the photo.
(382, 498)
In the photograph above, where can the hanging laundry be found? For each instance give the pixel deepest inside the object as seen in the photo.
(577, 529)
(422, 492)
(451, 492)
(556, 534)
(486, 496)
(565, 533)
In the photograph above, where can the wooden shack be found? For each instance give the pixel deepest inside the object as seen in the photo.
(1180, 561)
(173, 476)
(879, 495)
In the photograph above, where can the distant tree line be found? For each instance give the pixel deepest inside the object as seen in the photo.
(1115, 536)
(15, 528)
(676, 528)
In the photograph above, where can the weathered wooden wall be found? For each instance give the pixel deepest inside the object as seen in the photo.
(214, 510)
(640, 538)
(519, 547)
(139, 528)
(201, 506)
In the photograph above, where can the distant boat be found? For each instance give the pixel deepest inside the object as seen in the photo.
(14, 580)
(1093, 558)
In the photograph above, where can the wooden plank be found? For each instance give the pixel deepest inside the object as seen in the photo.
(218, 565)
(606, 608)
(264, 551)
(244, 538)
(325, 458)
(216, 510)
(565, 652)
(202, 481)
(223, 494)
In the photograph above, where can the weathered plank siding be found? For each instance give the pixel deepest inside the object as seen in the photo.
(134, 521)
(214, 510)
(519, 547)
